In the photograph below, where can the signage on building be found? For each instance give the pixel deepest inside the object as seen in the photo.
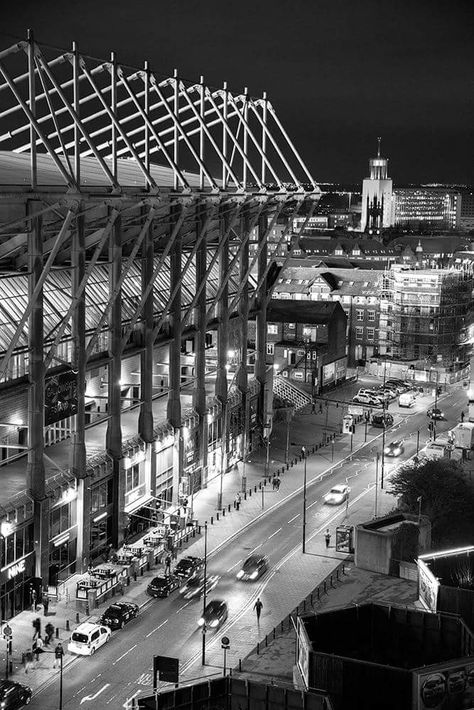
(445, 686)
(21, 566)
(60, 397)
(303, 652)
(428, 586)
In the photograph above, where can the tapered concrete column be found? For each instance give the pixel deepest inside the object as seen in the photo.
(261, 318)
(114, 431)
(35, 473)
(78, 263)
(222, 347)
(199, 391)
(242, 375)
(174, 399)
(145, 419)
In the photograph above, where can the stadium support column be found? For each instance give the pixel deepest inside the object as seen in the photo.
(222, 346)
(199, 391)
(114, 431)
(261, 317)
(145, 418)
(35, 465)
(78, 264)
(242, 375)
(174, 400)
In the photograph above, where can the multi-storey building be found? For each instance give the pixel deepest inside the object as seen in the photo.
(376, 196)
(432, 208)
(466, 217)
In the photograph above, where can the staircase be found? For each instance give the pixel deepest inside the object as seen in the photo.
(291, 393)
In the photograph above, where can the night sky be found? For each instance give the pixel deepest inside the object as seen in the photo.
(339, 73)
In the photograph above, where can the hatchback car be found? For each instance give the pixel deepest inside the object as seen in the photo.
(194, 587)
(162, 586)
(395, 448)
(253, 567)
(87, 638)
(382, 420)
(337, 495)
(188, 566)
(14, 695)
(435, 413)
(215, 614)
(117, 615)
(367, 399)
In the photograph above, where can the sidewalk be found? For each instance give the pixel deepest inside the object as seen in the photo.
(308, 428)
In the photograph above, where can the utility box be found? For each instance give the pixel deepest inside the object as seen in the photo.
(464, 435)
(347, 423)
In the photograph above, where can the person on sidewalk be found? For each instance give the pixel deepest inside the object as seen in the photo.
(258, 606)
(34, 600)
(168, 565)
(58, 654)
(37, 648)
(49, 633)
(327, 537)
(462, 417)
(37, 627)
(28, 659)
(45, 605)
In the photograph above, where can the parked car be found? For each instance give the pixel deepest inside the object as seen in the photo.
(337, 495)
(162, 586)
(435, 413)
(117, 615)
(87, 638)
(215, 614)
(253, 568)
(368, 400)
(382, 420)
(406, 399)
(188, 565)
(395, 448)
(14, 695)
(194, 587)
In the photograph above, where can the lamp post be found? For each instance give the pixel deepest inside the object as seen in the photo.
(384, 404)
(204, 596)
(303, 453)
(59, 653)
(418, 500)
(7, 635)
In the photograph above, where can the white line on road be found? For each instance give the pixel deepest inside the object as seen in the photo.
(310, 506)
(124, 654)
(231, 568)
(183, 607)
(276, 531)
(158, 627)
(294, 518)
(96, 695)
(256, 548)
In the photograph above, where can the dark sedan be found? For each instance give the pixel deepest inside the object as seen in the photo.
(435, 413)
(119, 614)
(382, 420)
(215, 614)
(395, 448)
(253, 567)
(188, 566)
(14, 695)
(162, 586)
(194, 587)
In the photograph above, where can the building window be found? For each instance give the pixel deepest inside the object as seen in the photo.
(360, 314)
(62, 518)
(370, 333)
(270, 349)
(371, 315)
(101, 495)
(359, 333)
(133, 478)
(272, 329)
(291, 326)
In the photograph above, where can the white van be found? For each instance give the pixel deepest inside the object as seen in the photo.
(87, 638)
(407, 399)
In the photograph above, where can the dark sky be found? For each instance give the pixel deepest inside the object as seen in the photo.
(338, 72)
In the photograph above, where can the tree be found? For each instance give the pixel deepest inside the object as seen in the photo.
(447, 498)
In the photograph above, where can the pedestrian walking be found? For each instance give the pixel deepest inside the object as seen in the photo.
(320, 407)
(327, 537)
(462, 416)
(313, 407)
(28, 659)
(45, 605)
(37, 648)
(48, 633)
(258, 606)
(37, 628)
(274, 484)
(58, 654)
(34, 600)
(168, 565)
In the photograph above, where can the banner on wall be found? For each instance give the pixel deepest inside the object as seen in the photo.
(60, 397)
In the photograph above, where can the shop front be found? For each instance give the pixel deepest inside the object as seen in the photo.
(16, 583)
(62, 556)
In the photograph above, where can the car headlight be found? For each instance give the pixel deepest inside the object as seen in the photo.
(240, 574)
(214, 623)
(254, 575)
(201, 622)
(387, 450)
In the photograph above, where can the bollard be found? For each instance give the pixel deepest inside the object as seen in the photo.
(274, 633)
(245, 494)
(255, 489)
(87, 610)
(259, 486)
(77, 617)
(212, 520)
(128, 581)
(223, 512)
(237, 505)
(67, 625)
(240, 665)
(250, 492)
(57, 632)
(141, 571)
(217, 516)
(194, 532)
(258, 649)
(287, 466)
(228, 507)
(134, 575)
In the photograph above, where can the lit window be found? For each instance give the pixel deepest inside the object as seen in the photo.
(272, 329)
(359, 333)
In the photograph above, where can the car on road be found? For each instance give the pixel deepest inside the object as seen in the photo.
(215, 613)
(435, 413)
(119, 614)
(367, 399)
(194, 587)
(337, 495)
(162, 586)
(87, 638)
(188, 566)
(399, 385)
(253, 568)
(395, 448)
(14, 695)
(382, 420)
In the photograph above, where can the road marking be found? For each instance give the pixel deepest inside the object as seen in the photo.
(231, 568)
(129, 702)
(310, 506)
(124, 654)
(93, 697)
(184, 606)
(294, 518)
(276, 531)
(256, 548)
(158, 627)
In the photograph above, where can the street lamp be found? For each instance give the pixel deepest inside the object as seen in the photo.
(303, 453)
(7, 634)
(203, 660)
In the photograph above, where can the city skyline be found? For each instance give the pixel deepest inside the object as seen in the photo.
(338, 75)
